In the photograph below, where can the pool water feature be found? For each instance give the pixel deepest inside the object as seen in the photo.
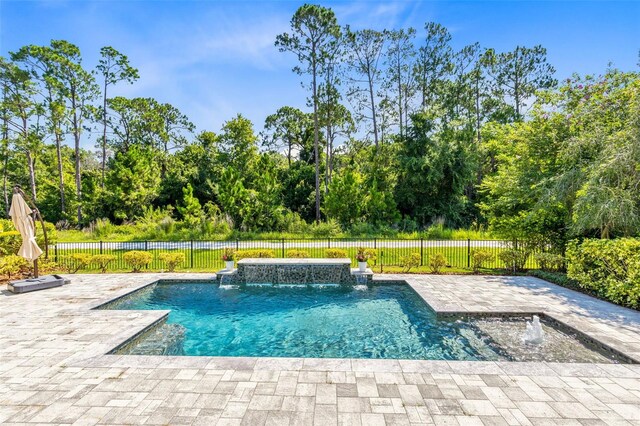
(388, 321)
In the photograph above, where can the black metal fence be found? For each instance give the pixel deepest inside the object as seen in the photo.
(207, 255)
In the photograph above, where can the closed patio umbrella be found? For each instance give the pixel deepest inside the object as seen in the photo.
(20, 214)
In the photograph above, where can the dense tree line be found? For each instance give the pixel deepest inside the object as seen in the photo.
(402, 131)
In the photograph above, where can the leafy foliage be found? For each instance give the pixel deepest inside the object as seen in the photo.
(137, 259)
(12, 265)
(437, 261)
(172, 260)
(77, 261)
(102, 261)
(480, 258)
(409, 261)
(242, 254)
(514, 259)
(611, 269)
(336, 253)
(297, 254)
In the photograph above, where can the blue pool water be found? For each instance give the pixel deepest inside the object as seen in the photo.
(382, 321)
(379, 321)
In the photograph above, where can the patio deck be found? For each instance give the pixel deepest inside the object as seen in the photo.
(53, 367)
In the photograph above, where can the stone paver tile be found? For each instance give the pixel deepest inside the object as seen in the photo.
(255, 418)
(396, 419)
(325, 415)
(266, 402)
(572, 410)
(535, 409)
(298, 403)
(353, 405)
(234, 409)
(627, 411)
(367, 387)
(277, 418)
(326, 393)
(372, 419)
(478, 407)
(410, 395)
(346, 389)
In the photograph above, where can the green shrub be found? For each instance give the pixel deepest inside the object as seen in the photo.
(137, 259)
(47, 266)
(609, 268)
(549, 262)
(74, 262)
(263, 254)
(410, 261)
(297, 254)
(13, 265)
(172, 259)
(102, 261)
(481, 258)
(335, 253)
(372, 256)
(437, 262)
(325, 229)
(514, 259)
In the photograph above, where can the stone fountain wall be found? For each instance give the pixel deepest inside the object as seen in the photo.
(292, 271)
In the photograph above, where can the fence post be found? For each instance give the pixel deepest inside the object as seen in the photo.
(421, 252)
(191, 253)
(468, 253)
(146, 245)
(237, 245)
(101, 247)
(329, 242)
(283, 247)
(55, 252)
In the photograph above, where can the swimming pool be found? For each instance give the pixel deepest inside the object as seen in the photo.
(387, 321)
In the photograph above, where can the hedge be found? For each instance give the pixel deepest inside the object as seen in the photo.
(609, 268)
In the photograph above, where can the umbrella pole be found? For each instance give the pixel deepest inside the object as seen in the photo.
(35, 268)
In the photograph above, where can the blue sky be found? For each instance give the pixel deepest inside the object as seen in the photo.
(214, 59)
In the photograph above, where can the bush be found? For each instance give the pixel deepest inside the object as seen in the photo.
(263, 254)
(372, 255)
(609, 268)
(102, 261)
(335, 253)
(481, 258)
(172, 259)
(437, 262)
(47, 266)
(137, 259)
(297, 254)
(514, 259)
(12, 265)
(410, 261)
(549, 262)
(325, 229)
(74, 262)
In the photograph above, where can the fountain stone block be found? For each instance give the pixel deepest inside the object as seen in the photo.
(293, 271)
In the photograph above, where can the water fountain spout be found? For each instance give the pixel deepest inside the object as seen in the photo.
(534, 334)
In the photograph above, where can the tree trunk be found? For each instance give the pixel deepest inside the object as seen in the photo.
(315, 135)
(60, 173)
(5, 147)
(400, 98)
(104, 132)
(32, 173)
(478, 108)
(76, 137)
(373, 108)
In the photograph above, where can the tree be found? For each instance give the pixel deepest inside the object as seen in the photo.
(433, 62)
(113, 67)
(79, 89)
(19, 107)
(521, 73)
(399, 78)
(365, 49)
(287, 129)
(314, 29)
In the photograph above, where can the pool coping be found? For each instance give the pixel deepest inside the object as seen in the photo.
(384, 365)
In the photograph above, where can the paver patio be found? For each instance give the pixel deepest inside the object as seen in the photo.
(53, 367)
